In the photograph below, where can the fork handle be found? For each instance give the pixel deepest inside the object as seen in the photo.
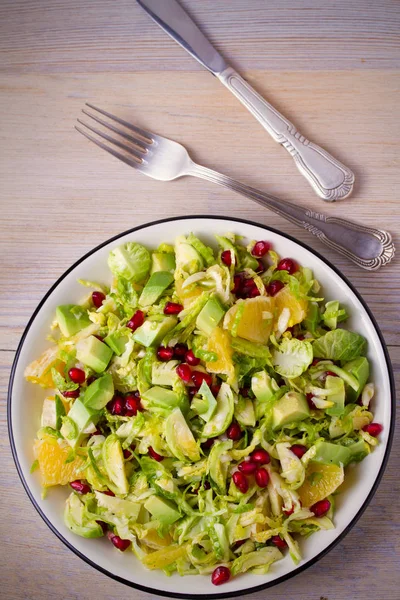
(368, 247)
(329, 178)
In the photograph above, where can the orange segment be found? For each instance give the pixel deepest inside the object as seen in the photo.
(297, 306)
(256, 322)
(320, 482)
(52, 466)
(186, 296)
(39, 371)
(220, 343)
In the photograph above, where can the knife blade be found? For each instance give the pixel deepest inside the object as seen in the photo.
(330, 179)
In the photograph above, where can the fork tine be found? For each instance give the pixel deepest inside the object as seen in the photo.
(146, 134)
(112, 140)
(140, 144)
(131, 162)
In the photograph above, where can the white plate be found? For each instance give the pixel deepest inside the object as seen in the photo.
(25, 401)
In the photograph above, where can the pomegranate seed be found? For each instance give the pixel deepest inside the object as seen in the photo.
(192, 392)
(289, 512)
(278, 542)
(320, 508)
(373, 429)
(239, 479)
(103, 525)
(118, 407)
(172, 308)
(310, 401)
(80, 487)
(184, 372)
(215, 390)
(262, 477)
(274, 287)
(237, 283)
(207, 485)
(71, 393)
(260, 249)
(287, 264)
(97, 432)
(98, 299)
(226, 257)
(234, 432)
(132, 405)
(118, 542)
(237, 544)
(91, 379)
(300, 337)
(127, 454)
(165, 353)
(180, 350)
(249, 289)
(261, 457)
(109, 493)
(198, 377)
(244, 391)
(76, 375)
(136, 320)
(298, 450)
(315, 361)
(208, 443)
(220, 575)
(260, 268)
(191, 359)
(155, 455)
(99, 337)
(254, 293)
(248, 467)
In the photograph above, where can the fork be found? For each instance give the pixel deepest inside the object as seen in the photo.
(165, 160)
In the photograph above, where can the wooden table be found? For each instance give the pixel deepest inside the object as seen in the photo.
(330, 67)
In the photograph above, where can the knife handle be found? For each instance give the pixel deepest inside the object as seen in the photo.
(329, 177)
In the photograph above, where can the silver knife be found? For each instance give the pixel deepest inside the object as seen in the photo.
(330, 178)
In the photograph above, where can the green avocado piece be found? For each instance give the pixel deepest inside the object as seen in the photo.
(162, 261)
(152, 333)
(76, 522)
(222, 415)
(156, 285)
(331, 454)
(337, 384)
(210, 315)
(99, 393)
(114, 463)
(160, 399)
(118, 506)
(71, 318)
(164, 373)
(179, 437)
(165, 511)
(93, 353)
(78, 419)
(116, 342)
(290, 408)
(358, 368)
(264, 388)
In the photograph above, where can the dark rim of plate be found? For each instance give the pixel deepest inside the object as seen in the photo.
(252, 589)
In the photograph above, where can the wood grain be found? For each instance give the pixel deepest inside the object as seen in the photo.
(332, 68)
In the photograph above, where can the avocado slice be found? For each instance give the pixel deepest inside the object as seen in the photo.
(179, 437)
(210, 315)
(264, 388)
(164, 373)
(337, 384)
(152, 333)
(223, 413)
(290, 408)
(93, 353)
(358, 368)
(71, 318)
(116, 342)
(114, 463)
(160, 398)
(118, 506)
(331, 454)
(99, 393)
(156, 285)
(75, 521)
(165, 511)
(78, 419)
(162, 261)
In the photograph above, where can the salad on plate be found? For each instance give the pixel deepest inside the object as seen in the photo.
(203, 407)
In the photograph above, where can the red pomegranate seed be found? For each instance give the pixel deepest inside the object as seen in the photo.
(165, 353)
(239, 479)
(127, 454)
(237, 283)
(261, 457)
(80, 487)
(310, 401)
(330, 373)
(180, 350)
(298, 450)
(184, 372)
(192, 391)
(234, 432)
(262, 477)
(118, 542)
(226, 257)
(97, 432)
(172, 308)
(249, 289)
(90, 379)
(288, 512)
(99, 337)
(244, 391)
(320, 508)
(215, 390)
(77, 375)
(373, 429)
(136, 320)
(98, 299)
(132, 405)
(260, 248)
(155, 455)
(287, 264)
(198, 377)
(208, 443)
(118, 407)
(315, 361)
(191, 359)
(248, 467)
(71, 393)
(278, 542)
(300, 337)
(207, 485)
(103, 525)
(220, 575)
(274, 287)
(109, 493)
(254, 293)
(237, 544)
(260, 268)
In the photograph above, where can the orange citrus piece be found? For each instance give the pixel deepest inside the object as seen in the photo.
(256, 321)
(297, 306)
(164, 557)
(220, 343)
(52, 466)
(186, 296)
(320, 481)
(39, 371)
